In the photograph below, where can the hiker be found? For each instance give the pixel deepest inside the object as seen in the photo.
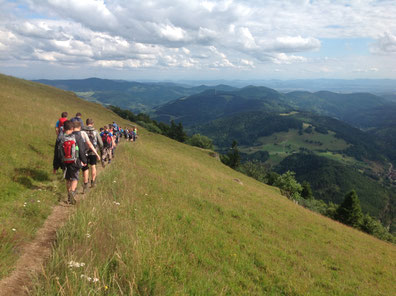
(78, 118)
(89, 147)
(131, 134)
(114, 138)
(60, 122)
(134, 133)
(107, 139)
(97, 142)
(126, 134)
(70, 151)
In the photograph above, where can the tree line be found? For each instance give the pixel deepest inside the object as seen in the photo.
(349, 212)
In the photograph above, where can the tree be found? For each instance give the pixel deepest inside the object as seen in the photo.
(232, 158)
(200, 141)
(289, 185)
(176, 132)
(350, 212)
(306, 190)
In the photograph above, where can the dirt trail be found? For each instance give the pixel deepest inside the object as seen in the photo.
(35, 253)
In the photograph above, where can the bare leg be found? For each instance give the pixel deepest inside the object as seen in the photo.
(73, 185)
(86, 176)
(93, 173)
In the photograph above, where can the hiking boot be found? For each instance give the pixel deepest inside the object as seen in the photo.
(85, 188)
(70, 198)
(93, 183)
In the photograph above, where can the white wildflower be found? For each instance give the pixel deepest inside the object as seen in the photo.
(95, 280)
(116, 203)
(76, 264)
(114, 181)
(38, 200)
(88, 235)
(13, 229)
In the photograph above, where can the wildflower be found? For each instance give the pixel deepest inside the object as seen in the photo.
(38, 200)
(106, 287)
(145, 194)
(88, 235)
(95, 280)
(76, 264)
(13, 229)
(116, 203)
(114, 181)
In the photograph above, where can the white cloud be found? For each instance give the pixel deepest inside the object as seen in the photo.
(171, 32)
(294, 44)
(179, 33)
(386, 44)
(282, 58)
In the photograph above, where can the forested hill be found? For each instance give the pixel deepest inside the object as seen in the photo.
(212, 104)
(136, 96)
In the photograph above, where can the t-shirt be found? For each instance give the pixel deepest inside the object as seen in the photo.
(77, 119)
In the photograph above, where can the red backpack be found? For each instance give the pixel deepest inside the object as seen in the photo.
(68, 149)
(62, 121)
(107, 141)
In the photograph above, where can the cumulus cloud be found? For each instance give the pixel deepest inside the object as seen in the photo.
(385, 44)
(187, 34)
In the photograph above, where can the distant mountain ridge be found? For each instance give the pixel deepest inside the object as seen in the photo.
(136, 96)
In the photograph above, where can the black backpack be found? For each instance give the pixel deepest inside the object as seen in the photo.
(92, 137)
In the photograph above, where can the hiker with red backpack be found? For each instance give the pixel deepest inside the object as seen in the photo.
(107, 139)
(60, 122)
(97, 142)
(70, 152)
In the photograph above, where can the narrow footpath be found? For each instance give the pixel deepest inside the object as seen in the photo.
(35, 253)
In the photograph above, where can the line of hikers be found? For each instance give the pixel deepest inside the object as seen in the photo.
(77, 147)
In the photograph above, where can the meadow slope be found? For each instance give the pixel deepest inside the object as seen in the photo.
(28, 190)
(169, 219)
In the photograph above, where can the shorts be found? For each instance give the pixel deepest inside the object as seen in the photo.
(72, 172)
(92, 160)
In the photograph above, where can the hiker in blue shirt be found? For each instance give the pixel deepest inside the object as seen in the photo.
(78, 118)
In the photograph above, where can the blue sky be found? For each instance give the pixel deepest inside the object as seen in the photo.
(195, 39)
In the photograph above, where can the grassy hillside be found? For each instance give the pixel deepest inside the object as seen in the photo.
(168, 219)
(28, 189)
(186, 224)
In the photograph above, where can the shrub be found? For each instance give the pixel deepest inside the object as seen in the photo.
(200, 141)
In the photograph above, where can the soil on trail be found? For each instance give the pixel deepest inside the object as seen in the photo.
(35, 253)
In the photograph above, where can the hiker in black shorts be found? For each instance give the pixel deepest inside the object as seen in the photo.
(70, 152)
(97, 142)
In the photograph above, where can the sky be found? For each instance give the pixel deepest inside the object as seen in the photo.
(194, 39)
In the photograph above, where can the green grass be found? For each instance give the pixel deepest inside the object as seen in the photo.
(27, 119)
(183, 226)
(282, 144)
